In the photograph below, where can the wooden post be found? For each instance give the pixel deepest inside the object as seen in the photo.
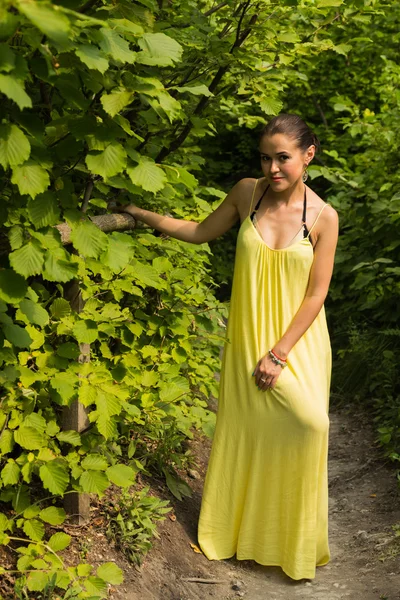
(75, 416)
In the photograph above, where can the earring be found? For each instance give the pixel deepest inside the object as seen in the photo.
(305, 174)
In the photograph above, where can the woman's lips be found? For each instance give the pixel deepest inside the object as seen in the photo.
(276, 178)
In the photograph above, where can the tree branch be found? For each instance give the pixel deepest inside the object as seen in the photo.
(240, 39)
(213, 10)
(106, 223)
(88, 193)
(88, 5)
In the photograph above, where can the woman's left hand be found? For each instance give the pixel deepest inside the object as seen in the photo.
(266, 373)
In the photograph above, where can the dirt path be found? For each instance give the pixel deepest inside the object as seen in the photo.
(365, 561)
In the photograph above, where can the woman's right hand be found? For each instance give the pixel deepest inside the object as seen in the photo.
(130, 209)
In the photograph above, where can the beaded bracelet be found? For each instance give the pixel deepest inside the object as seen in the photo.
(275, 359)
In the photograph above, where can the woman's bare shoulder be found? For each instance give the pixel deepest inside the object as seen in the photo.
(318, 203)
(242, 193)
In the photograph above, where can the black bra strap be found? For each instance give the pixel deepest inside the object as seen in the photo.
(257, 206)
(303, 218)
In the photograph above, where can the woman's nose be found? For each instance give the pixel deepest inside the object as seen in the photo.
(274, 167)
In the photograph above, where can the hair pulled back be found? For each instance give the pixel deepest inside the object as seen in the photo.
(294, 127)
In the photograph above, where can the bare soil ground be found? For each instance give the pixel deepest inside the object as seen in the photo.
(364, 533)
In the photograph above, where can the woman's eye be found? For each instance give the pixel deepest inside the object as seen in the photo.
(284, 157)
(265, 158)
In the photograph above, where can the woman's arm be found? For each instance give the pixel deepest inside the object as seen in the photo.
(317, 289)
(217, 223)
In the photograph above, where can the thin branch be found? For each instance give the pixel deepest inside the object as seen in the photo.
(240, 39)
(213, 10)
(60, 139)
(229, 23)
(88, 5)
(245, 7)
(319, 109)
(75, 163)
(88, 193)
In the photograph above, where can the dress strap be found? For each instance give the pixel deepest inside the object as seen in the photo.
(252, 198)
(318, 216)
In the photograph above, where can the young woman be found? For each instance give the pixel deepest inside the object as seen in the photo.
(266, 492)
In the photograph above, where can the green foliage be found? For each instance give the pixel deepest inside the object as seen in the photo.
(132, 522)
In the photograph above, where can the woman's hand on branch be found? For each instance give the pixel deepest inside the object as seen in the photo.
(130, 209)
(266, 373)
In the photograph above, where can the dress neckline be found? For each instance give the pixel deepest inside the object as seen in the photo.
(300, 241)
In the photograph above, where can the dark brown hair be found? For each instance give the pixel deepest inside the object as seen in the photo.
(294, 127)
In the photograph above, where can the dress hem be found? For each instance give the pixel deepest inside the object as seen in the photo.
(270, 564)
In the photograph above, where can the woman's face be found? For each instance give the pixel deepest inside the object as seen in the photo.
(282, 161)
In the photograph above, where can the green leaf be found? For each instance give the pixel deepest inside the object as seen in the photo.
(10, 473)
(46, 18)
(64, 386)
(107, 163)
(174, 388)
(94, 462)
(178, 174)
(17, 335)
(271, 106)
(14, 90)
(53, 515)
(56, 268)
(35, 313)
(115, 46)
(36, 421)
(14, 146)
(70, 437)
(94, 482)
(54, 475)
(34, 529)
(13, 287)
(147, 175)
(27, 260)
(59, 541)
(176, 485)
(8, 23)
(60, 308)
(85, 331)
(114, 102)
(147, 275)
(37, 581)
(92, 57)
(121, 475)
(96, 587)
(37, 337)
(117, 255)
(6, 441)
(32, 511)
(159, 49)
(111, 573)
(4, 522)
(196, 90)
(7, 58)
(43, 210)
(29, 438)
(68, 350)
(30, 178)
(88, 239)
(16, 237)
(288, 36)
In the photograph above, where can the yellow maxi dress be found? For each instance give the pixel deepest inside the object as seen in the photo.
(266, 490)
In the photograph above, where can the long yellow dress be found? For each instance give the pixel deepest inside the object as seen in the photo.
(266, 490)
